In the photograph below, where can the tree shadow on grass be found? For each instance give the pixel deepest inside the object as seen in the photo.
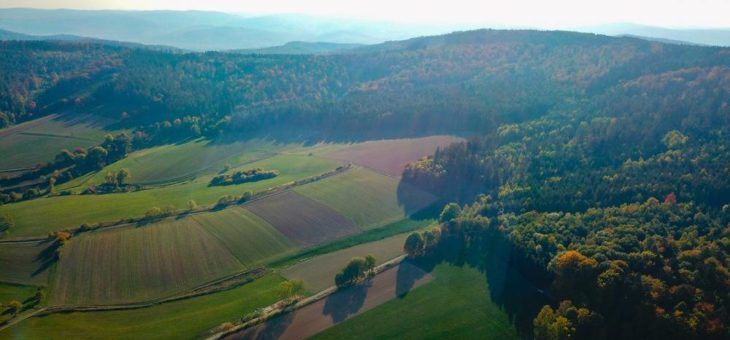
(346, 302)
(518, 294)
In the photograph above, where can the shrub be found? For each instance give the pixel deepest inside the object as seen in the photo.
(357, 269)
(238, 177)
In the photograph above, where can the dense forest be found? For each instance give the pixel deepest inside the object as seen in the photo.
(602, 163)
(619, 199)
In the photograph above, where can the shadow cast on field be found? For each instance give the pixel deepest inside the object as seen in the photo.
(272, 329)
(518, 295)
(46, 257)
(406, 278)
(346, 302)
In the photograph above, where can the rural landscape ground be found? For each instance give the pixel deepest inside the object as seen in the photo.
(185, 274)
(486, 183)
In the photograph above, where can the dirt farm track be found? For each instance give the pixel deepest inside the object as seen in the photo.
(338, 307)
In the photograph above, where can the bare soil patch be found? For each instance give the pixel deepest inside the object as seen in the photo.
(391, 156)
(301, 219)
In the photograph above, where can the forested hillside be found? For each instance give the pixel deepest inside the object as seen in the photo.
(617, 203)
(603, 164)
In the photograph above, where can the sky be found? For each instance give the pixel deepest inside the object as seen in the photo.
(529, 13)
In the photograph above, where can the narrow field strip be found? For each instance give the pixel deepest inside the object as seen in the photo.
(368, 198)
(340, 306)
(137, 264)
(249, 238)
(390, 156)
(318, 273)
(302, 220)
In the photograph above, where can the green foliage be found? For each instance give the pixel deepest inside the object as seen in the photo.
(674, 139)
(450, 212)
(122, 176)
(244, 176)
(420, 243)
(14, 307)
(414, 244)
(291, 288)
(357, 269)
(662, 263)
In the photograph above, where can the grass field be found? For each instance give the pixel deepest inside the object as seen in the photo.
(388, 156)
(303, 220)
(366, 197)
(318, 272)
(30, 143)
(25, 263)
(40, 216)
(249, 238)
(177, 162)
(185, 319)
(137, 264)
(454, 305)
(10, 292)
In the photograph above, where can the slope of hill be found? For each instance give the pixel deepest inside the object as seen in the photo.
(597, 167)
(716, 37)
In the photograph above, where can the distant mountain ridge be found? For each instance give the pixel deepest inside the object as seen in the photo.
(301, 47)
(202, 30)
(198, 30)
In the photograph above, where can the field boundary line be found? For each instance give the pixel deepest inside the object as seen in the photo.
(23, 317)
(276, 309)
(56, 136)
(139, 221)
(205, 289)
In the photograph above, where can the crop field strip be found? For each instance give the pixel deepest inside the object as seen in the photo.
(178, 162)
(249, 238)
(338, 307)
(40, 216)
(184, 319)
(10, 292)
(318, 272)
(368, 198)
(302, 220)
(390, 156)
(137, 264)
(25, 262)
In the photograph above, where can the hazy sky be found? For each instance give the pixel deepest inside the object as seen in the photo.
(535, 13)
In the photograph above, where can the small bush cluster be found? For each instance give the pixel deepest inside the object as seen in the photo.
(244, 176)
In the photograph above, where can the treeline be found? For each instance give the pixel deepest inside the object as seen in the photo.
(620, 203)
(66, 166)
(593, 155)
(473, 80)
(244, 176)
(650, 270)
